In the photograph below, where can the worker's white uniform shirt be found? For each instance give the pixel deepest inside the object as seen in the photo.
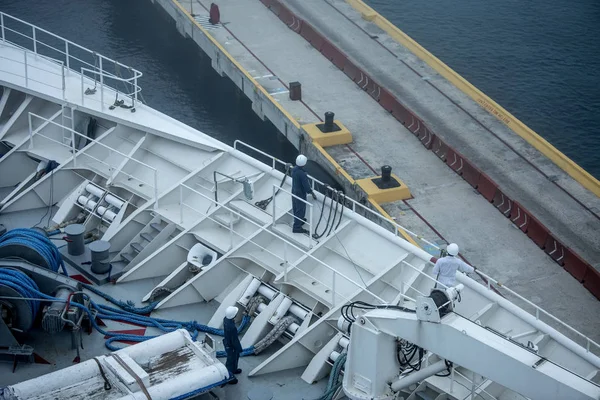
(445, 269)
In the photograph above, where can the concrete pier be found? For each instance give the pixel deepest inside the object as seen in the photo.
(261, 53)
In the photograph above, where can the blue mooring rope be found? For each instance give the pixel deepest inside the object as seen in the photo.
(27, 288)
(38, 242)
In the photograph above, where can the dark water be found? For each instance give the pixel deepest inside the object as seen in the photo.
(539, 59)
(178, 78)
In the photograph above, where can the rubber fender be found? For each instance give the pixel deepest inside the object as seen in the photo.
(334, 55)
(504, 204)
(471, 174)
(519, 216)
(350, 69)
(440, 148)
(312, 36)
(555, 249)
(591, 281)
(575, 265)
(387, 101)
(537, 232)
(426, 138)
(487, 187)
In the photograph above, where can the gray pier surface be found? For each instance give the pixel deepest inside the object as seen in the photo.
(444, 207)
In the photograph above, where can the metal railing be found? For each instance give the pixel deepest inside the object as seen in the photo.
(27, 67)
(538, 310)
(354, 205)
(276, 188)
(80, 153)
(70, 55)
(284, 261)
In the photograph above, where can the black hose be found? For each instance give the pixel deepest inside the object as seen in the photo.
(321, 214)
(262, 204)
(337, 202)
(316, 235)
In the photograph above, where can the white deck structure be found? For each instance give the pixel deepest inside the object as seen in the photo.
(173, 191)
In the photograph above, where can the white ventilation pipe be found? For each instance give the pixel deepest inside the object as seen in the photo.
(298, 311)
(281, 310)
(249, 292)
(344, 342)
(267, 292)
(96, 191)
(86, 202)
(113, 201)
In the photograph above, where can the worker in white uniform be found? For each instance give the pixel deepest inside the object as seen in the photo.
(445, 268)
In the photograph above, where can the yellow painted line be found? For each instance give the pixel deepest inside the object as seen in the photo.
(564, 162)
(339, 170)
(388, 216)
(238, 65)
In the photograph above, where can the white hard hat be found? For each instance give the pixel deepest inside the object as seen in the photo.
(231, 312)
(301, 160)
(452, 249)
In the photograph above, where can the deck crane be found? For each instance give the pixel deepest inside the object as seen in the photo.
(372, 368)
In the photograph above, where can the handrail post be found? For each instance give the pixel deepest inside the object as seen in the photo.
(82, 91)
(64, 83)
(67, 55)
(73, 149)
(2, 25)
(333, 289)
(25, 58)
(180, 204)
(34, 39)
(310, 226)
(285, 265)
(30, 131)
(230, 230)
(155, 189)
(101, 83)
(274, 207)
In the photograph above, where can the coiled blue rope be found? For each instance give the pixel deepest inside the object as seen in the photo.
(23, 284)
(27, 288)
(37, 241)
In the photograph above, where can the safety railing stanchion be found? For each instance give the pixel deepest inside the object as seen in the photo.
(333, 289)
(26, 72)
(285, 264)
(101, 83)
(2, 25)
(30, 131)
(64, 83)
(73, 149)
(82, 91)
(34, 40)
(230, 230)
(310, 226)
(156, 189)
(67, 56)
(180, 204)
(274, 206)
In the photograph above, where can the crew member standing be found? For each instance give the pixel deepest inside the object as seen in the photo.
(232, 344)
(300, 188)
(445, 268)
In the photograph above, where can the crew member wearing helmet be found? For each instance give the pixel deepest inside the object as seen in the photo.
(300, 188)
(232, 344)
(445, 268)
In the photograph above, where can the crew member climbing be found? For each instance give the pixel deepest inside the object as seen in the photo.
(232, 344)
(300, 188)
(445, 268)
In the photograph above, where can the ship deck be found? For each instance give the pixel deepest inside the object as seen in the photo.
(444, 207)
